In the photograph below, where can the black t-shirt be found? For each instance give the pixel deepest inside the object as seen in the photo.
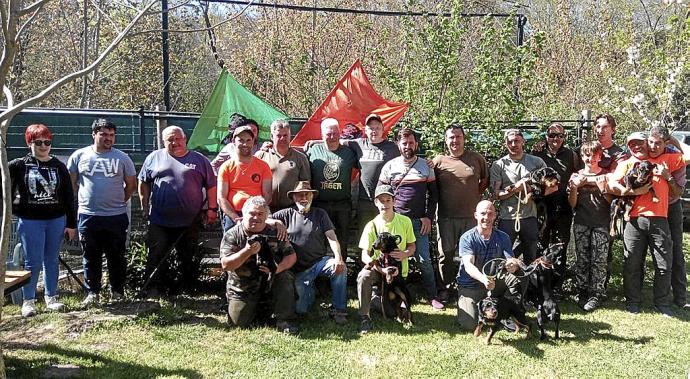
(307, 234)
(565, 162)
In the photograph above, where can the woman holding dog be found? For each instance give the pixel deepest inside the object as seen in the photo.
(43, 202)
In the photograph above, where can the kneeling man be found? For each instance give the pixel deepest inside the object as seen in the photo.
(248, 252)
(476, 247)
(311, 231)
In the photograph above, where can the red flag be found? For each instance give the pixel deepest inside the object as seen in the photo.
(351, 101)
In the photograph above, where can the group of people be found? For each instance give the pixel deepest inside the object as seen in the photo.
(295, 208)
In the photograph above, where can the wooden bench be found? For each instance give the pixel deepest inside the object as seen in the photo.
(15, 279)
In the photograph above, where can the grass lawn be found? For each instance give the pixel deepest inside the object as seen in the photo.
(189, 338)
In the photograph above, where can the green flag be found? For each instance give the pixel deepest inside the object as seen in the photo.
(230, 97)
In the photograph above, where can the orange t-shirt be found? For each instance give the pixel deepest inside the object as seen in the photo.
(644, 204)
(244, 180)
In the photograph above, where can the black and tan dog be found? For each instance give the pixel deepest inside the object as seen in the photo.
(540, 290)
(492, 310)
(396, 301)
(541, 179)
(639, 175)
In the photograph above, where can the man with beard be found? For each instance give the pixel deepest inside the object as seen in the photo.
(288, 166)
(104, 179)
(248, 281)
(331, 173)
(460, 174)
(242, 177)
(559, 214)
(172, 181)
(416, 196)
(311, 232)
(517, 210)
(648, 225)
(229, 151)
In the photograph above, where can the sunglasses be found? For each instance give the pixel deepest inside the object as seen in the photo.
(39, 142)
(556, 135)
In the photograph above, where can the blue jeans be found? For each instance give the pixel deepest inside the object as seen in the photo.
(227, 223)
(99, 235)
(41, 240)
(304, 285)
(423, 258)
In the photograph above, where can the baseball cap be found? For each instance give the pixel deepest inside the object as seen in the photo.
(244, 128)
(373, 116)
(384, 189)
(636, 136)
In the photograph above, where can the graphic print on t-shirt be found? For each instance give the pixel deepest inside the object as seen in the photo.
(107, 167)
(331, 172)
(42, 183)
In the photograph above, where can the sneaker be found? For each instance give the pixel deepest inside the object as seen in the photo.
(509, 325)
(365, 325)
(29, 308)
(665, 311)
(592, 304)
(339, 316)
(116, 296)
(52, 304)
(436, 304)
(91, 300)
(632, 308)
(287, 327)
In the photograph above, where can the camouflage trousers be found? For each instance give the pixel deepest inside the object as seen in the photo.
(592, 247)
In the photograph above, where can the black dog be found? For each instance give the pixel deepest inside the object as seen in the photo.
(540, 290)
(639, 175)
(542, 178)
(395, 297)
(491, 311)
(264, 257)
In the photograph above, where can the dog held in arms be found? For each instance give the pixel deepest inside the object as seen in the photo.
(394, 292)
(264, 258)
(639, 175)
(539, 290)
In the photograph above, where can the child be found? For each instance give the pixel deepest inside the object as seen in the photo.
(386, 221)
(590, 226)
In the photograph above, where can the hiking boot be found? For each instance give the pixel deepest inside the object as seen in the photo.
(632, 308)
(444, 295)
(287, 327)
(52, 304)
(665, 311)
(91, 300)
(592, 304)
(29, 308)
(436, 304)
(365, 325)
(339, 316)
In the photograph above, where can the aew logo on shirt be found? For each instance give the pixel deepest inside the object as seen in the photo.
(331, 172)
(107, 167)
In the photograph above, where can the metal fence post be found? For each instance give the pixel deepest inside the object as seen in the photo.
(142, 130)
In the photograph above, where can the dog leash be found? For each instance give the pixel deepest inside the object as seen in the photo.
(521, 200)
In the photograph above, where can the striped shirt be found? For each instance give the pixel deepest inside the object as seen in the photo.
(416, 193)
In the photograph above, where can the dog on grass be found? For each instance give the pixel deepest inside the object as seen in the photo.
(492, 310)
(639, 175)
(396, 301)
(540, 290)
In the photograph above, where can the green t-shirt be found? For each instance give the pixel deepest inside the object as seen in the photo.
(331, 172)
(400, 225)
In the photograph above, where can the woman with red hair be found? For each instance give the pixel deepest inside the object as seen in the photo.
(43, 202)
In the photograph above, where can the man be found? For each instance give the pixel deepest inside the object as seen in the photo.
(248, 282)
(242, 177)
(416, 195)
(460, 174)
(172, 181)
(648, 226)
(517, 210)
(559, 214)
(288, 166)
(311, 232)
(104, 179)
(229, 151)
(659, 142)
(476, 247)
(372, 152)
(605, 130)
(386, 221)
(331, 174)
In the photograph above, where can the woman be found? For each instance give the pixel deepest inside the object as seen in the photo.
(43, 202)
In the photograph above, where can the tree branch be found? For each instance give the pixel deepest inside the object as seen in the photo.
(10, 112)
(8, 96)
(33, 7)
(24, 26)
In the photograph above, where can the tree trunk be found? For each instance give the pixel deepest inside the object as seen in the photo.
(6, 224)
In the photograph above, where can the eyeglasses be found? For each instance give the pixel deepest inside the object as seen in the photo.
(556, 135)
(39, 142)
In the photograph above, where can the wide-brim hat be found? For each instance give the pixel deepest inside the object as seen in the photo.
(302, 186)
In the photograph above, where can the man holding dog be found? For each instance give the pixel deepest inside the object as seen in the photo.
(386, 221)
(248, 281)
(648, 226)
(478, 246)
(311, 232)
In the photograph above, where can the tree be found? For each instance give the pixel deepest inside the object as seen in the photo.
(17, 18)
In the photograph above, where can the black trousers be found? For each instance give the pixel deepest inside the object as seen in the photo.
(160, 241)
